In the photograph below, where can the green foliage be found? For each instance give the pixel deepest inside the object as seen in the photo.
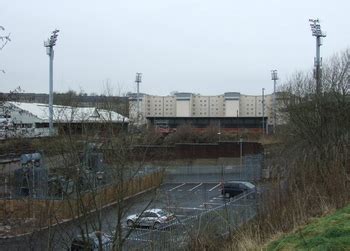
(327, 233)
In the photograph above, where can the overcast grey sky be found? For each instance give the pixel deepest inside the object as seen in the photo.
(200, 46)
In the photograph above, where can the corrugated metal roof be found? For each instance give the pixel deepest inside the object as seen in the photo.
(71, 114)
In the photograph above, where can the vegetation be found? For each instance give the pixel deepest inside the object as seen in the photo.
(310, 165)
(328, 233)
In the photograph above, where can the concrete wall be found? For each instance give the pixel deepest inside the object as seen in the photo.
(183, 108)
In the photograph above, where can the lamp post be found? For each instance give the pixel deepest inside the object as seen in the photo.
(49, 44)
(240, 155)
(274, 77)
(263, 110)
(219, 133)
(138, 80)
(99, 177)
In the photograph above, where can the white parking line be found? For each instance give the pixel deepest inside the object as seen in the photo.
(186, 208)
(195, 187)
(177, 187)
(181, 216)
(218, 198)
(210, 205)
(211, 189)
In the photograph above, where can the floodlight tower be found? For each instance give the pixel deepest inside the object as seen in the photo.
(49, 44)
(138, 81)
(274, 77)
(317, 32)
(263, 110)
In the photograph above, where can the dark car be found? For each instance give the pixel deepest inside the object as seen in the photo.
(234, 188)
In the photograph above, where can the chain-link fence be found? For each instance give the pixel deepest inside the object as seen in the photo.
(248, 168)
(213, 223)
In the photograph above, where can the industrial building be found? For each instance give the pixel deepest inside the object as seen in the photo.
(32, 119)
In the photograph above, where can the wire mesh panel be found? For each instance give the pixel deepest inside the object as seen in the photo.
(213, 223)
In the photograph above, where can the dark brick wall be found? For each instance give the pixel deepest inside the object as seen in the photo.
(196, 151)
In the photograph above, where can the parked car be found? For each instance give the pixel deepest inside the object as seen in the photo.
(155, 218)
(91, 242)
(234, 188)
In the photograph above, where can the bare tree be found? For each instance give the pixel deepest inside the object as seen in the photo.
(104, 169)
(4, 38)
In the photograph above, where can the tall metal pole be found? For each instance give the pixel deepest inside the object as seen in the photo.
(49, 44)
(51, 54)
(263, 111)
(317, 32)
(240, 156)
(138, 81)
(274, 77)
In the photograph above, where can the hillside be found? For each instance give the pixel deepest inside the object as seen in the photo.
(331, 232)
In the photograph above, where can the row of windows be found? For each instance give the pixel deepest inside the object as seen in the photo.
(159, 101)
(159, 113)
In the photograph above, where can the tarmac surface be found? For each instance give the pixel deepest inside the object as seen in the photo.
(186, 192)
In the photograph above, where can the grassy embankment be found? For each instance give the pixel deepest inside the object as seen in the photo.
(330, 232)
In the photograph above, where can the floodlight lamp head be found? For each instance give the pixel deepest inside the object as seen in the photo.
(274, 75)
(138, 77)
(316, 28)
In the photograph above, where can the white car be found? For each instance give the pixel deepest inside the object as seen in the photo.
(155, 218)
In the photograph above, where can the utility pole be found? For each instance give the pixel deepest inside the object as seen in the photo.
(274, 77)
(49, 44)
(138, 81)
(317, 32)
(263, 111)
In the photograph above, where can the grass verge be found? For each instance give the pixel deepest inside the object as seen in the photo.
(331, 232)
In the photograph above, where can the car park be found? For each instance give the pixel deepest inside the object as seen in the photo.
(234, 188)
(91, 242)
(155, 218)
